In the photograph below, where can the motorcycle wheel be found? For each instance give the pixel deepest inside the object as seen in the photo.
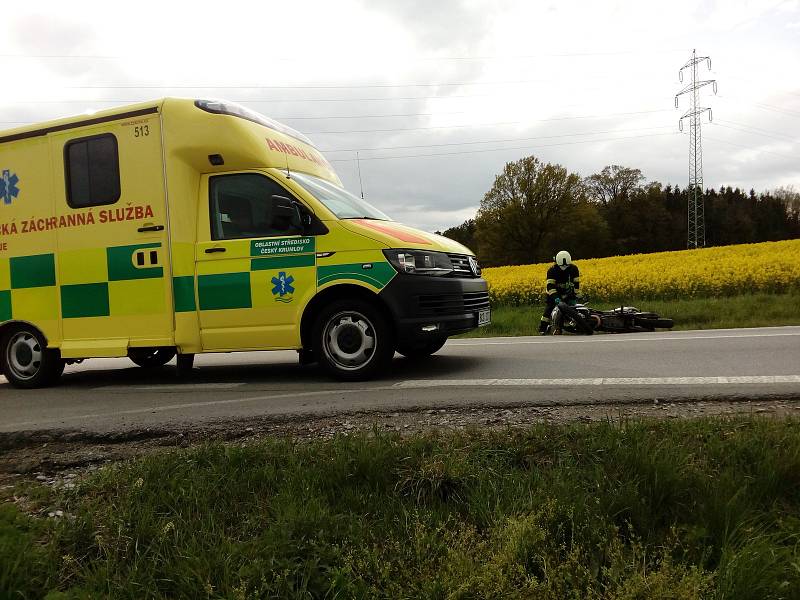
(573, 321)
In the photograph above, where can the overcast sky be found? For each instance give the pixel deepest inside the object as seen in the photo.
(436, 96)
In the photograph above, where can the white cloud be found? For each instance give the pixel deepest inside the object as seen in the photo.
(559, 76)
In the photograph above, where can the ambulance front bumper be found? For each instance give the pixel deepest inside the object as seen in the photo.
(427, 307)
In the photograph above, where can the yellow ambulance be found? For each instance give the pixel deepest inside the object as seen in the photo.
(182, 226)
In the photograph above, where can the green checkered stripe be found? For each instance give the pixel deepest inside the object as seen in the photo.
(5, 305)
(378, 275)
(93, 299)
(233, 290)
(21, 277)
(29, 282)
(215, 292)
(223, 291)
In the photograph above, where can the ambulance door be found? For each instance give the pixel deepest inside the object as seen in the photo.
(113, 257)
(255, 268)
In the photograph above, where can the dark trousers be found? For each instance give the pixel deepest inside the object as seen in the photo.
(549, 305)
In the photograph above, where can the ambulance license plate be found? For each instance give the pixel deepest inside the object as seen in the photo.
(484, 317)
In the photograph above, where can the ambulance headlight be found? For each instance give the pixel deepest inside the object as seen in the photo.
(420, 262)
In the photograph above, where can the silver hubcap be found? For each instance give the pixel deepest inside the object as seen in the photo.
(24, 355)
(349, 340)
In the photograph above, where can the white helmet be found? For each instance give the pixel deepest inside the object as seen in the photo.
(563, 259)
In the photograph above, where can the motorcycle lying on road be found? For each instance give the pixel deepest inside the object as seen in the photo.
(579, 319)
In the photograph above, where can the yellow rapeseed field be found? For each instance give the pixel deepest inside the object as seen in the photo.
(708, 272)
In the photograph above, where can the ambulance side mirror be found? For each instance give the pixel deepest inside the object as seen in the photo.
(305, 216)
(285, 210)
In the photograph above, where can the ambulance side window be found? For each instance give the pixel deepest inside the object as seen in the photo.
(242, 207)
(91, 167)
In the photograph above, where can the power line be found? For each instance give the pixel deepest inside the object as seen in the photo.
(273, 100)
(462, 112)
(502, 123)
(408, 58)
(770, 107)
(755, 131)
(432, 154)
(495, 141)
(761, 105)
(498, 124)
(320, 87)
(748, 148)
(776, 108)
(260, 101)
(436, 114)
(279, 100)
(755, 84)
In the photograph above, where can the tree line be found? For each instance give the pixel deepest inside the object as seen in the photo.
(535, 209)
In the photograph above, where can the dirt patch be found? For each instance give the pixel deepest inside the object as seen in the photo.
(61, 457)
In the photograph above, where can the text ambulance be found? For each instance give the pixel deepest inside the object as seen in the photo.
(182, 226)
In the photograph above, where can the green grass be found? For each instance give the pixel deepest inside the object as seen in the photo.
(748, 310)
(631, 510)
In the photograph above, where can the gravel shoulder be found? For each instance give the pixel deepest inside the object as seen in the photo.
(61, 457)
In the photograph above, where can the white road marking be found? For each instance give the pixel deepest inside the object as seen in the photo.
(604, 338)
(610, 381)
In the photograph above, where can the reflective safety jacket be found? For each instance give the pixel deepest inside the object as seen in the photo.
(562, 283)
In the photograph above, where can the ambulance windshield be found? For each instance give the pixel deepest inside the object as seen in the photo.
(338, 200)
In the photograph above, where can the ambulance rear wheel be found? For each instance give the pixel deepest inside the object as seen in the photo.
(150, 358)
(26, 360)
(353, 340)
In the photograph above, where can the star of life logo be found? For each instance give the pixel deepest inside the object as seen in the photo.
(283, 288)
(8, 187)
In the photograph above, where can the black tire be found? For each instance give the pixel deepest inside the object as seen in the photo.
(422, 349)
(352, 340)
(26, 361)
(654, 323)
(150, 358)
(581, 326)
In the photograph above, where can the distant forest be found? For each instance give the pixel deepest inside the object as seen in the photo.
(535, 209)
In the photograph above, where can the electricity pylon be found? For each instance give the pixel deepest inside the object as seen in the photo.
(696, 218)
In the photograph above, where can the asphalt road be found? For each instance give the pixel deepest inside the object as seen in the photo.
(112, 394)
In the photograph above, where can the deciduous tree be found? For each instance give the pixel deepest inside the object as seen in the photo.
(613, 183)
(521, 216)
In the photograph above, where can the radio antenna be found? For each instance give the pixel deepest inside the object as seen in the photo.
(360, 183)
(288, 173)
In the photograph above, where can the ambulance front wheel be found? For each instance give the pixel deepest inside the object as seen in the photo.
(26, 361)
(353, 340)
(150, 358)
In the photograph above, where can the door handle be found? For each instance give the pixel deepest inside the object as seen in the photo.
(151, 228)
(212, 250)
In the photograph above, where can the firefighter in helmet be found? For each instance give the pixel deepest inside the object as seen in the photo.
(563, 283)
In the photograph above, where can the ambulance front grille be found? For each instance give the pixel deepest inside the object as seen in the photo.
(453, 304)
(461, 264)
